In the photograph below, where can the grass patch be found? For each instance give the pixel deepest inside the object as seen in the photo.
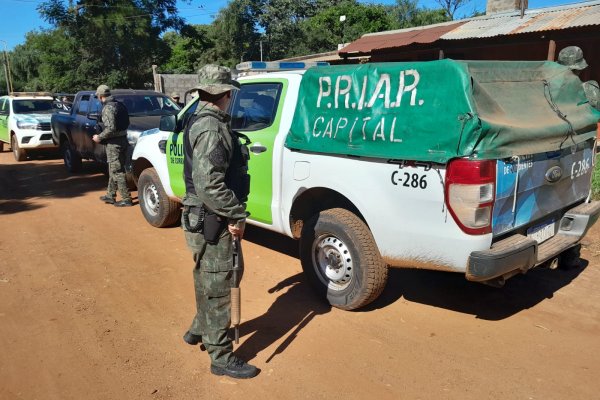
(596, 180)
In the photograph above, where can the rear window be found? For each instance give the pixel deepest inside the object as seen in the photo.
(142, 105)
(32, 106)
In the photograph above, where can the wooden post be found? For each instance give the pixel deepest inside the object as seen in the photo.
(551, 50)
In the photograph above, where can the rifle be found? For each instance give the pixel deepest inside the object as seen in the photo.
(238, 271)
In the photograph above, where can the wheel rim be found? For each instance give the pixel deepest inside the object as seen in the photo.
(151, 201)
(332, 261)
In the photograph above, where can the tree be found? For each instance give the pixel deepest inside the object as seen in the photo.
(114, 41)
(450, 6)
(188, 49)
(324, 31)
(236, 37)
(408, 14)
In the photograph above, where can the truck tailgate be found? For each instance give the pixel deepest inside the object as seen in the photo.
(532, 189)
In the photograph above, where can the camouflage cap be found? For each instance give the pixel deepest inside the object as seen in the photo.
(572, 57)
(215, 79)
(103, 90)
(592, 92)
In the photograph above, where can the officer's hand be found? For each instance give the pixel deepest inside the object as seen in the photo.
(237, 229)
(96, 139)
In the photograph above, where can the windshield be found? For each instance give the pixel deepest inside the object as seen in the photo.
(148, 105)
(32, 106)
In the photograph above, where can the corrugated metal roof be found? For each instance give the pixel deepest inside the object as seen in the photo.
(405, 37)
(535, 20)
(545, 19)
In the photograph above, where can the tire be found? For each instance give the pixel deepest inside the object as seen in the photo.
(19, 153)
(158, 209)
(337, 236)
(71, 159)
(1, 146)
(570, 259)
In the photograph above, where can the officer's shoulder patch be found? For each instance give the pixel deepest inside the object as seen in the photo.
(218, 155)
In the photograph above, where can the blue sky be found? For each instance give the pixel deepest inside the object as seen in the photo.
(20, 16)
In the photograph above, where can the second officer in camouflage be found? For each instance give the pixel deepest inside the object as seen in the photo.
(115, 120)
(217, 185)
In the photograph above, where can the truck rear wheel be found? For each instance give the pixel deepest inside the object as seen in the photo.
(341, 259)
(158, 209)
(71, 159)
(19, 153)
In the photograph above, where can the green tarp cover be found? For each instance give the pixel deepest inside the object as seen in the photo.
(438, 110)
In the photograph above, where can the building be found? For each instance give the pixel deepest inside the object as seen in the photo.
(508, 31)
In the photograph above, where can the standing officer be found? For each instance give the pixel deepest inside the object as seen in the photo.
(217, 185)
(572, 57)
(116, 120)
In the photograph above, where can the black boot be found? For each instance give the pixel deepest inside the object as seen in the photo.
(107, 199)
(236, 368)
(193, 340)
(124, 203)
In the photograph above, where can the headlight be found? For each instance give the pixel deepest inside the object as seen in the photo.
(27, 124)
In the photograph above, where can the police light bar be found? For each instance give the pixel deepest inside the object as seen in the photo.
(278, 65)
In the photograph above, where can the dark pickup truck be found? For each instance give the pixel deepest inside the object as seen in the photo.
(73, 130)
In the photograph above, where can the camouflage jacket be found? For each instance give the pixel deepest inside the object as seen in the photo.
(109, 120)
(210, 137)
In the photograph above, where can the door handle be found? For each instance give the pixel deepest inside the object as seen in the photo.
(258, 148)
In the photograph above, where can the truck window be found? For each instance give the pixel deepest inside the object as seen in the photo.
(95, 107)
(84, 104)
(32, 106)
(3, 105)
(255, 106)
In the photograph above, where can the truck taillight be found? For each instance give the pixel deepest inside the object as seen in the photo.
(470, 193)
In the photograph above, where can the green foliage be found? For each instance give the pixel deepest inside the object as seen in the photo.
(188, 49)
(407, 14)
(107, 41)
(324, 31)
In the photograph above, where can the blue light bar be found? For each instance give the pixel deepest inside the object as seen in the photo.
(278, 65)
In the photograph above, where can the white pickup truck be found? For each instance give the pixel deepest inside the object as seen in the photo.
(468, 167)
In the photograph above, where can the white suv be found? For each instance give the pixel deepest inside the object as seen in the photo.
(25, 122)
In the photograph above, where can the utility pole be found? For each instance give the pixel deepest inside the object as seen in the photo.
(7, 69)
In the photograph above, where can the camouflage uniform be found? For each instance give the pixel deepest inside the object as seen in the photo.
(572, 57)
(116, 149)
(211, 139)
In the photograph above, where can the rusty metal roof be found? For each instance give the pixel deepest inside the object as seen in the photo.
(538, 20)
(403, 37)
(535, 20)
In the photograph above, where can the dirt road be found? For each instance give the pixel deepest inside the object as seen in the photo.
(94, 301)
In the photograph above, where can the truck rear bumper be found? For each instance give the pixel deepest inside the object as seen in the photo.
(518, 253)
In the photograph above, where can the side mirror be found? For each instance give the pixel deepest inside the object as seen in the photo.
(168, 123)
(93, 116)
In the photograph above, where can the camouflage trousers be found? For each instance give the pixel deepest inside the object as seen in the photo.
(213, 279)
(115, 155)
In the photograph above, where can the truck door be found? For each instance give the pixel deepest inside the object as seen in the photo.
(81, 126)
(95, 110)
(256, 112)
(4, 103)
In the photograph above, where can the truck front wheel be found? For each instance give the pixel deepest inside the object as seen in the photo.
(341, 259)
(158, 209)
(19, 153)
(71, 159)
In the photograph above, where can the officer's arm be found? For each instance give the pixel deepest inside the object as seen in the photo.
(109, 121)
(211, 159)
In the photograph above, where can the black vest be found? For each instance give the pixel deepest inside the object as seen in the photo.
(236, 177)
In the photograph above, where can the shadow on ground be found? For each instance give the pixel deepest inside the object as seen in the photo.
(290, 312)
(445, 289)
(21, 183)
(453, 292)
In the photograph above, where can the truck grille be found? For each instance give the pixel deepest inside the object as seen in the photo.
(43, 126)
